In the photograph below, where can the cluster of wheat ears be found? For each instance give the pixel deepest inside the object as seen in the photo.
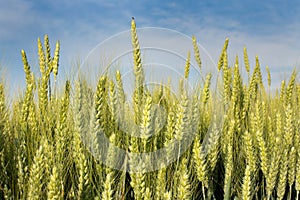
(49, 146)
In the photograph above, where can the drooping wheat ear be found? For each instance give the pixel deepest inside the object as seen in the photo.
(196, 52)
(246, 187)
(246, 61)
(36, 177)
(282, 175)
(187, 66)
(183, 187)
(206, 91)
(54, 186)
(222, 56)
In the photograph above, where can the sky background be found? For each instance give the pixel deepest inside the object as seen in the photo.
(269, 29)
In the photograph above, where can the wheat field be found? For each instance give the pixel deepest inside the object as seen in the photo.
(49, 136)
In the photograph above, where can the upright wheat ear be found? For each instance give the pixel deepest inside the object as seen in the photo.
(246, 61)
(138, 73)
(187, 66)
(196, 52)
(269, 75)
(222, 56)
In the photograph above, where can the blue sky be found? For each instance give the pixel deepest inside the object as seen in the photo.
(269, 29)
